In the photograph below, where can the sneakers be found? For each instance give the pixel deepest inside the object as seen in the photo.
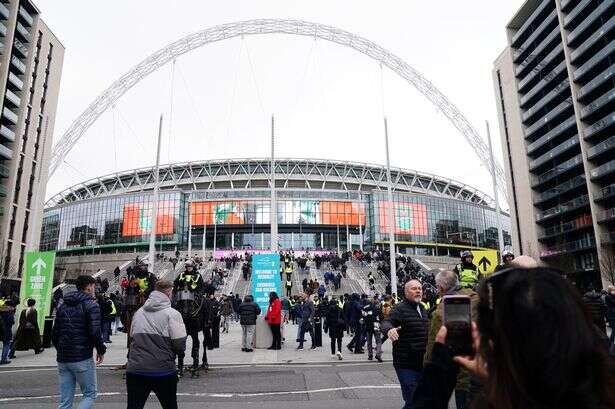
(299, 348)
(333, 356)
(312, 347)
(244, 349)
(339, 355)
(370, 358)
(378, 358)
(249, 350)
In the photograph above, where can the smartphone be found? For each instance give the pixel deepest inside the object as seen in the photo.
(457, 319)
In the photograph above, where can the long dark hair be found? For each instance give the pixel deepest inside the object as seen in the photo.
(541, 348)
(273, 296)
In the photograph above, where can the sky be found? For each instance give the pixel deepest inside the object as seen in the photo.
(328, 101)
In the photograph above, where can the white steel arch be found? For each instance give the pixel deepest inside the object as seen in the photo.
(271, 26)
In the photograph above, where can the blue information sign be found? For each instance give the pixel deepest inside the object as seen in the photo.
(265, 278)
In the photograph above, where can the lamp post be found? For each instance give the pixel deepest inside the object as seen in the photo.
(152, 235)
(391, 217)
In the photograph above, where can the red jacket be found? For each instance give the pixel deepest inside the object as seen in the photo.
(274, 312)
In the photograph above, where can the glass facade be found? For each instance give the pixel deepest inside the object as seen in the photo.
(240, 219)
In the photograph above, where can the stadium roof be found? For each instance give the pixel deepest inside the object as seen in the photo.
(311, 174)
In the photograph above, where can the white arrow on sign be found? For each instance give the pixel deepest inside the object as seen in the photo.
(39, 265)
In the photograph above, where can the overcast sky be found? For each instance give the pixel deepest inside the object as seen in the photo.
(328, 100)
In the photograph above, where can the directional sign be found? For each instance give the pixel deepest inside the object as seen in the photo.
(265, 278)
(486, 260)
(37, 281)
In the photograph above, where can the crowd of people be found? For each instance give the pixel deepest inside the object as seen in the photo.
(517, 312)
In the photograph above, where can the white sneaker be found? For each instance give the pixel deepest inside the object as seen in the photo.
(339, 355)
(333, 356)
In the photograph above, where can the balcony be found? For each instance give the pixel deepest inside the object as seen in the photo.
(575, 14)
(598, 103)
(600, 79)
(11, 97)
(605, 193)
(576, 203)
(536, 56)
(540, 85)
(553, 133)
(27, 18)
(4, 11)
(21, 48)
(21, 30)
(595, 15)
(582, 72)
(582, 222)
(592, 40)
(577, 245)
(599, 126)
(526, 47)
(14, 79)
(607, 216)
(6, 153)
(603, 170)
(529, 115)
(3, 191)
(3, 29)
(7, 134)
(540, 123)
(21, 67)
(556, 54)
(601, 148)
(542, 8)
(10, 115)
(567, 186)
(555, 152)
(557, 170)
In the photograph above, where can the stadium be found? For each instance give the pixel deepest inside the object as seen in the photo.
(218, 205)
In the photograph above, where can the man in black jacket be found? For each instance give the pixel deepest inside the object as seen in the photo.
(76, 332)
(407, 327)
(248, 311)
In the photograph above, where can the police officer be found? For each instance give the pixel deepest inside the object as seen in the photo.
(467, 271)
(289, 287)
(372, 281)
(187, 298)
(507, 258)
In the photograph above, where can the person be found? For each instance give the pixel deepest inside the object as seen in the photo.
(117, 309)
(209, 310)
(28, 334)
(372, 319)
(507, 257)
(158, 337)
(334, 324)
(274, 319)
(307, 322)
(597, 308)
(354, 319)
(106, 316)
(285, 309)
(467, 271)
(523, 349)
(226, 311)
(248, 312)
(187, 298)
(406, 327)
(7, 320)
(116, 273)
(372, 280)
(289, 287)
(76, 332)
(609, 300)
(447, 283)
(321, 291)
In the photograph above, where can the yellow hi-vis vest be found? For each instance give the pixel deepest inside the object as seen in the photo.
(2, 302)
(425, 305)
(289, 268)
(113, 309)
(289, 283)
(468, 278)
(190, 279)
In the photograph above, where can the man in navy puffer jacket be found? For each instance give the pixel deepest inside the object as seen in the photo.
(76, 333)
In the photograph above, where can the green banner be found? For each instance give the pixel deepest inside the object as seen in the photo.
(37, 281)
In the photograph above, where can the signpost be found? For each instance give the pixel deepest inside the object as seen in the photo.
(37, 282)
(265, 278)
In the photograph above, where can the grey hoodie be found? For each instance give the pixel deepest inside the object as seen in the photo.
(158, 335)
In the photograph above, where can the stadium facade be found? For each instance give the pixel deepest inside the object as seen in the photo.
(321, 204)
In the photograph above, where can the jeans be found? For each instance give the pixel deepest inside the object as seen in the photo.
(6, 349)
(82, 372)
(105, 330)
(247, 336)
(302, 335)
(376, 335)
(139, 388)
(408, 380)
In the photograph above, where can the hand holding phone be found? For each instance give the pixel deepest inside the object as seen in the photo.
(457, 319)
